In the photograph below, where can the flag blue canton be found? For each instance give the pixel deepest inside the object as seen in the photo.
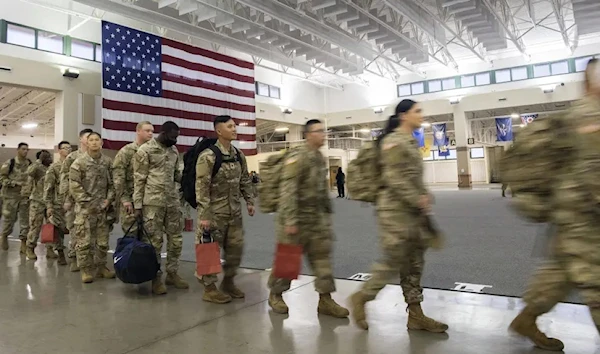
(131, 60)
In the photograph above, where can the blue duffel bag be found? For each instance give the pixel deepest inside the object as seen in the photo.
(135, 261)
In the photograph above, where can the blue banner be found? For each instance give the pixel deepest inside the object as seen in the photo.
(504, 130)
(440, 139)
(419, 134)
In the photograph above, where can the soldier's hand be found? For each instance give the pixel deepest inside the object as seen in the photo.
(67, 206)
(424, 203)
(205, 224)
(291, 230)
(49, 213)
(138, 214)
(251, 210)
(128, 207)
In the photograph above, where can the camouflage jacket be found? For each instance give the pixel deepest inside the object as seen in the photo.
(155, 173)
(51, 194)
(401, 173)
(37, 174)
(90, 181)
(64, 190)
(13, 184)
(221, 194)
(304, 192)
(123, 173)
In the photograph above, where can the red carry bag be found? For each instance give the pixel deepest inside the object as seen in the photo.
(49, 234)
(208, 256)
(288, 261)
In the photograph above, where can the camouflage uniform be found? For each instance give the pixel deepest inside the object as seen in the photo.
(51, 197)
(155, 171)
(90, 183)
(123, 180)
(66, 197)
(305, 203)
(219, 202)
(15, 198)
(37, 207)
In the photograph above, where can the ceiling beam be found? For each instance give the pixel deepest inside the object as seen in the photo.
(558, 6)
(20, 103)
(506, 20)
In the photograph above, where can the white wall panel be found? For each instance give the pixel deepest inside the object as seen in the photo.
(479, 171)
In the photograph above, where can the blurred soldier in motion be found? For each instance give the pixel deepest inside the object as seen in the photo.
(575, 259)
(37, 207)
(65, 194)
(51, 197)
(90, 185)
(156, 200)
(219, 207)
(403, 200)
(305, 218)
(13, 176)
(123, 175)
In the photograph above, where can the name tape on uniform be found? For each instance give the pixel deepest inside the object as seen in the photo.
(472, 288)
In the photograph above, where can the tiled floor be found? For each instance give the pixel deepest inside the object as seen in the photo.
(46, 309)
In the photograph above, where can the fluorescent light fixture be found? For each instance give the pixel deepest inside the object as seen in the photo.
(282, 129)
(378, 110)
(365, 130)
(29, 125)
(426, 125)
(515, 115)
(286, 110)
(454, 100)
(548, 88)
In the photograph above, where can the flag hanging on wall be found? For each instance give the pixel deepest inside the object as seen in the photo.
(440, 139)
(146, 77)
(504, 130)
(529, 118)
(419, 135)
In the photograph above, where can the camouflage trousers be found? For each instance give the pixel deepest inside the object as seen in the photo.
(228, 231)
(37, 215)
(403, 254)
(58, 220)
(69, 217)
(91, 237)
(13, 209)
(316, 240)
(160, 221)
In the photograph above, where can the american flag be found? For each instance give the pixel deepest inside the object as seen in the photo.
(146, 77)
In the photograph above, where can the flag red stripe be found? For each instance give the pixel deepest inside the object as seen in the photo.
(207, 85)
(207, 101)
(117, 145)
(208, 54)
(206, 69)
(129, 126)
(167, 112)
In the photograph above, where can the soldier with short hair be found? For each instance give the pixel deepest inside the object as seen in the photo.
(156, 199)
(90, 185)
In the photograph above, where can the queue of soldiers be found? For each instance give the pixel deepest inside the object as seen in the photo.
(90, 190)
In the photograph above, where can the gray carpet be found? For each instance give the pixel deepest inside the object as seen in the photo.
(486, 243)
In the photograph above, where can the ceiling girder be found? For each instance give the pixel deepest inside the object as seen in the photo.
(21, 103)
(559, 6)
(506, 20)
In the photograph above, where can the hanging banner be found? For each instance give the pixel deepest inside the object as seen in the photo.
(419, 135)
(529, 118)
(440, 139)
(504, 130)
(427, 145)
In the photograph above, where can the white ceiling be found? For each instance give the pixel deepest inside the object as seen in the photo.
(21, 105)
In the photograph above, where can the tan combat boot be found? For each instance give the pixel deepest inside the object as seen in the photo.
(173, 279)
(105, 273)
(525, 325)
(228, 287)
(418, 321)
(23, 247)
(61, 258)
(30, 253)
(158, 288)
(328, 306)
(4, 242)
(212, 294)
(73, 267)
(87, 275)
(277, 304)
(357, 303)
(50, 253)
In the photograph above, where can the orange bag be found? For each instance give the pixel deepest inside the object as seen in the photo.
(208, 258)
(49, 234)
(288, 261)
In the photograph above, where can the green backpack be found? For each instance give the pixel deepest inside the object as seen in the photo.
(268, 189)
(364, 174)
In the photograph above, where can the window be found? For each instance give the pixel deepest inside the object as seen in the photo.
(449, 84)
(98, 53)
(82, 49)
(20, 35)
(417, 88)
(581, 63)
(435, 86)
(502, 76)
(274, 92)
(560, 68)
(541, 70)
(403, 90)
(50, 42)
(467, 81)
(452, 155)
(482, 79)
(262, 89)
(519, 73)
(476, 153)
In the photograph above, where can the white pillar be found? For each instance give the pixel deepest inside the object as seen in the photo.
(461, 134)
(66, 117)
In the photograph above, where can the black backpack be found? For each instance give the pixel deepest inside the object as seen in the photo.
(188, 178)
(11, 166)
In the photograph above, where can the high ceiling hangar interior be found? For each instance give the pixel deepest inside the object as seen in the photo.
(25, 111)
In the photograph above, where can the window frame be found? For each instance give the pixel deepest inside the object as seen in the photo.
(37, 42)
(5, 34)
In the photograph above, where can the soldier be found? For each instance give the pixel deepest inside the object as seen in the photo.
(90, 185)
(37, 207)
(123, 175)
(575, 260)
(51, 197)
(219, 207)
(67, 199)
(156, 200)
(401, 205)
(305, 218)
(13, 177)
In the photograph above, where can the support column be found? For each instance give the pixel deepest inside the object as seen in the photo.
(462, 151)
(66, 117)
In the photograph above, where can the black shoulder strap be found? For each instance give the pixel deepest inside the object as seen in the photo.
(11, 166)
(218, 159)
